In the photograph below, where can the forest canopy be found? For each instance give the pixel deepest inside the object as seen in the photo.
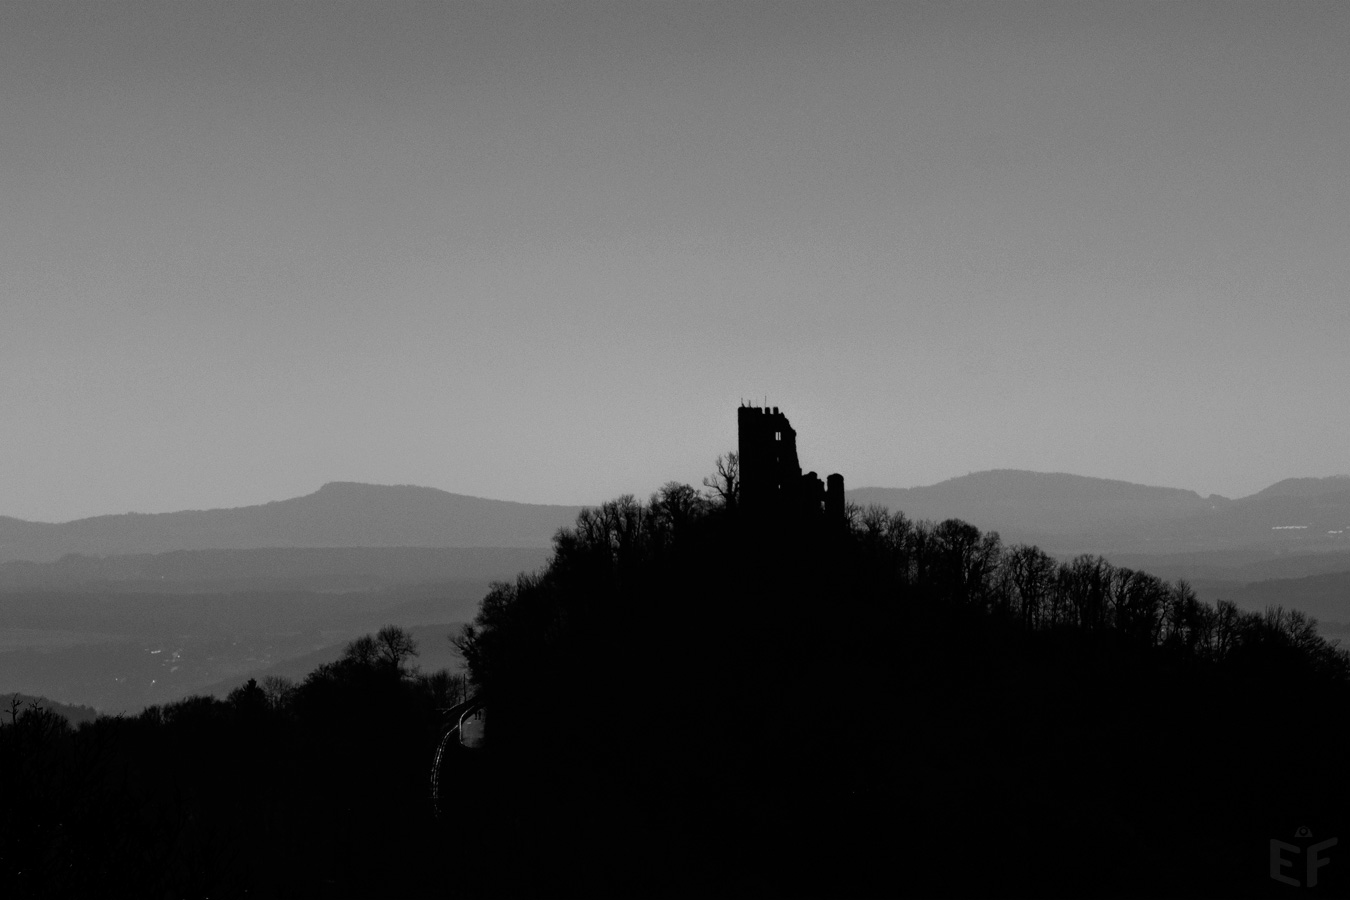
(688, 698)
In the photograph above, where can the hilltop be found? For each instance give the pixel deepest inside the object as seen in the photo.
(339, 514)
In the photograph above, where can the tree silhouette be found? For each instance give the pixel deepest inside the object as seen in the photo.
(394, 646)
(279, 691)
(724, 485)
(362, 652)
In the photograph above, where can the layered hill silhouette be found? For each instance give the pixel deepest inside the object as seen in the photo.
(1060, 512)
(340, 514)
(243, 589)
(1072, 513)
(318, 569)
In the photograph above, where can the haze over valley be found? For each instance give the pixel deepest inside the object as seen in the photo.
(121, 611)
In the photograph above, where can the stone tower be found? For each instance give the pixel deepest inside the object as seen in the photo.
(772, 483)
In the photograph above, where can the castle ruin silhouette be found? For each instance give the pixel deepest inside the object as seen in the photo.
(772, 483)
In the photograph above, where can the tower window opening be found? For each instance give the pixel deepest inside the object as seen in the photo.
(778, 435)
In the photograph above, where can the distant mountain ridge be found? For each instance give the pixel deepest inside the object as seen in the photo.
(1063, 513)
(1305, 487)
(1044, 497)
(1071, 513)
(339, 514)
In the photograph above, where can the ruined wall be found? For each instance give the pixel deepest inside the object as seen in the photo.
(768, 451)
(772, 483)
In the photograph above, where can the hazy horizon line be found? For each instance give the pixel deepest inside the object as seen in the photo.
(863, 487)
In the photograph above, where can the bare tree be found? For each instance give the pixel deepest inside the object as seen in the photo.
(676, 504)
(15, 705)
(278, 690)
(1227, 622)
(394, 646)
(724, 485)
(362, 652)
(1032, 573)
(445, 689)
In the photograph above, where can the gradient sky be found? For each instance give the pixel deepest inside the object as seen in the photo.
(540, 252)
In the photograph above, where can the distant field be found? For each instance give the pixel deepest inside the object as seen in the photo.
(434, 652)
(121, 652)
(119, 675)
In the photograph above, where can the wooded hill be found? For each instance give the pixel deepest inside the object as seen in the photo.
(863, 710)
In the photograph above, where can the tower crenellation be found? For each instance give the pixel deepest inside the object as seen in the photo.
(772, 483)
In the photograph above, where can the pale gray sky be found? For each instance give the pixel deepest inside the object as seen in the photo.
(539, 252)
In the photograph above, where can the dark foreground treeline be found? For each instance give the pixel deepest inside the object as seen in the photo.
(283, 790)
(688, 701)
